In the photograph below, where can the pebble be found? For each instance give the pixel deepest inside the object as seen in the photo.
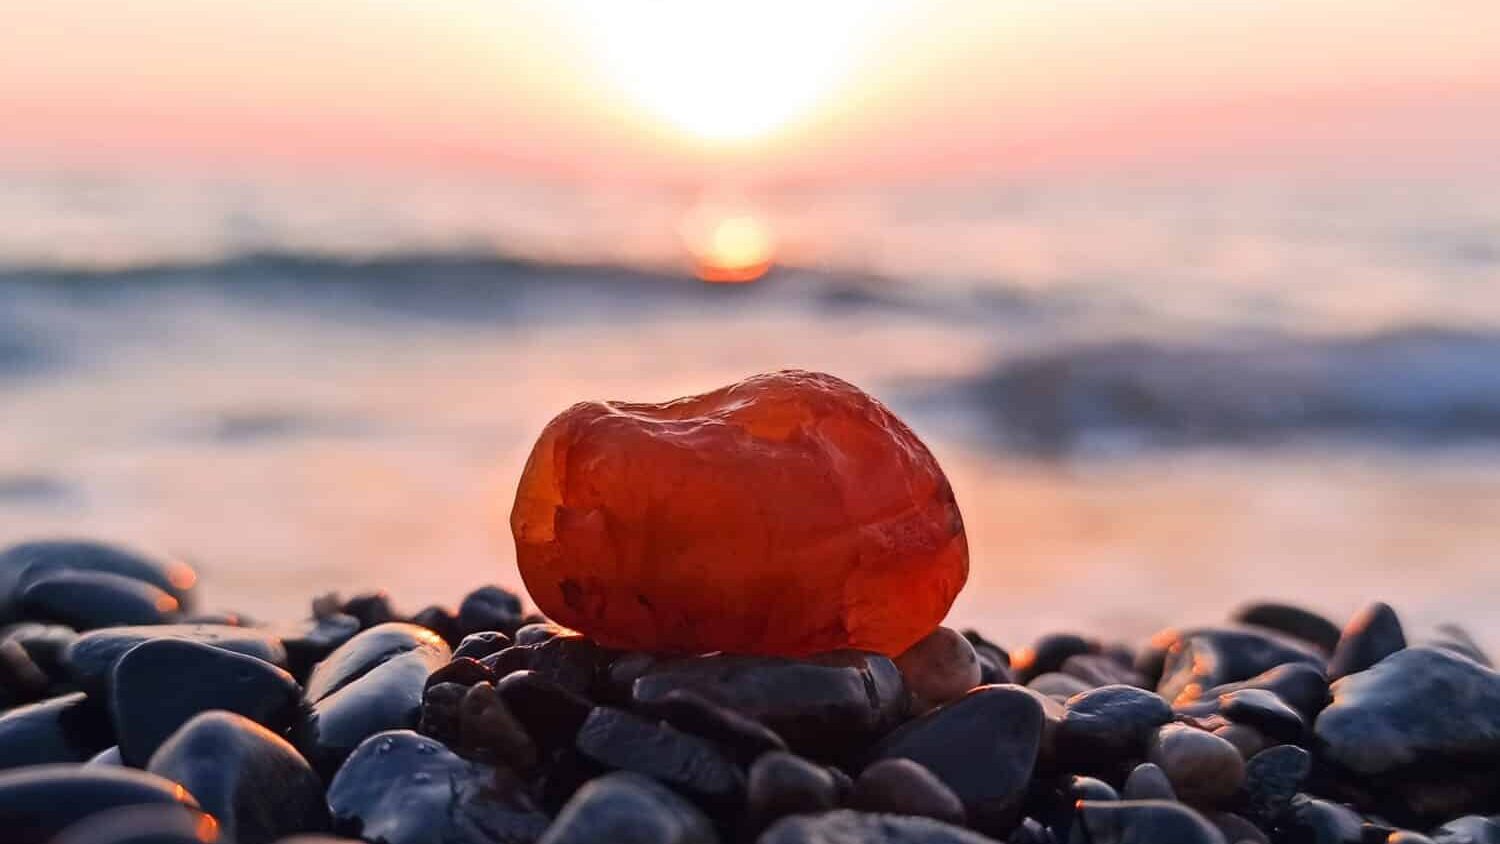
(490, 733)
(1206, 658)
(1142, 822)
(1292, 620)
(310, 642)
(1322, 822)
(160, 685)
(90, 659)
(994, 661)
(903, 787)
(1058, 685)
(67, 728)
(1102, 670)
(45, 644)
(256, 784)
(626, 808)
(825, 707)
(371, 608)
(109, 756)
(743, 739)
(463, 670)
(1372, 635)
(1263, 710)
(1148, 782)
(781, 784)
(1452, 637)
(550, 714)
(1105, 727)
(40, 801)
(442, 621)
(539, 632)
(940, 667)
(401, 788)
(845, 826)
(1245, 738)
(1047, 655)
(23, 563)
(1472, 829)
(1302, 686)
(161, 823)
(88, 600)
(1204, 770)
(573, 662)
(490, 608)
(482, 644)
(621, 740)
(983, 746)
(1272, 778)
(1411, 727)
(372, 683)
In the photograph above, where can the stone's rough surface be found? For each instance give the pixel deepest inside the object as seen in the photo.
(787, 514)
(67, 728)
(1272, 778)
(824, 707)
(160, 685)
(849, 827)
(402, 788)
(983, 746)
(152, 823)
(256, 784)
(1142, 822)
(91, 658)
(941, 667)
(37, 803)
(1371, 636)
(88, 600)
(626, 808)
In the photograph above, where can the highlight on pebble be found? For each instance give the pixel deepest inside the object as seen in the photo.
(728, 422)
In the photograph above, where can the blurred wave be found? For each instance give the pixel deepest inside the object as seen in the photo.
(1413, 386)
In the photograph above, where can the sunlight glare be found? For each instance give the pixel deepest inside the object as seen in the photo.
(728, 245)
(723, 70)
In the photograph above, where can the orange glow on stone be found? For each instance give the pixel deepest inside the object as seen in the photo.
(787, 514)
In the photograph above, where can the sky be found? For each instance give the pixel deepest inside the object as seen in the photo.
(775, 91)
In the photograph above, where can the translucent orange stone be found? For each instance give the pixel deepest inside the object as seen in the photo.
(787, 514)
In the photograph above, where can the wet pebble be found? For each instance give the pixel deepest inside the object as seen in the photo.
(1272, 778)
(310, 642)
(401, 788)
(1103, 727)
(489, 732)
(159, 685)
(88, 600)
(743, 739)
(90, 659)
(1148, 782)
(994, 661)
(21, 681)
(44, 645)
(1102, 670)
(1472, 829)
(482, 644)
(370, 608)
(23, 564)
(1321, 822)
(1264, 711)
(940, 667)
(626, 808)
(38, 802)
(442, 621)
(1206, 658)
(256, 784)
(1047, 655)
(1372, 635)
(983, 746)
(67, 728)
(1302, 686)
(1204, 770)
(373, 682)
(903, 787)
(550, 714)
(539, 632)
(1058, 685)
(149, 824)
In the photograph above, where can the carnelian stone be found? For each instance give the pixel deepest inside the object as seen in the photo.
(787, 514)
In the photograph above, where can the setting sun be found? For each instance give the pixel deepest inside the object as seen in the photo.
(728, 71)
(728, 246)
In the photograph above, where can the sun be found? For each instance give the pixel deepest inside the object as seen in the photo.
(726, 70)
(728, 245)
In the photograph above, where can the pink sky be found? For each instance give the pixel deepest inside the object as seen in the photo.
(921, 90)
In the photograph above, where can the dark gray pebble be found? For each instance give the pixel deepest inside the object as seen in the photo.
(1264, 711)
(91, 658)
(1204, 770)
(310, 642)
(903, 787)
(67, 728)
(1210, 657)
(782, 784)
(983, 746)
(1148, 782)
(1321, 822)
(159, 823)
(1292, 620)
(1372, 635)
(401, 788)
(845, 826)
(37, 803)
(626, 808)
(550, 714)
(1107, 726)
(22, 564)
(160, 685)
(442, 621)
(89, 600)
(620, 740)
(482, 644)
(1142, 822)
(371, 608)
(1047, 655)
(1272, 778)
(490, 608)
(256, 784)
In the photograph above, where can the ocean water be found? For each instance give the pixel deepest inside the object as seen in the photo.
(1153, 405)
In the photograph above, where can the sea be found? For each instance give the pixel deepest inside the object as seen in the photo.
(1156, 400)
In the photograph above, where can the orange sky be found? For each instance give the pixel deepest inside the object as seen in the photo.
(841, 90)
